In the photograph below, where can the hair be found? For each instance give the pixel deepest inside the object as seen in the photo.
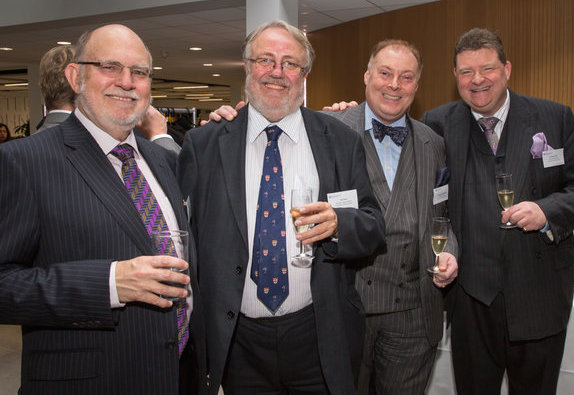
(55, 88)
(8, 136)
(292, 30)
(378, 47)
(476, 39)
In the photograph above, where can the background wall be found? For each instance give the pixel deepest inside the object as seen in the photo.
(14, 109)
(538, 36)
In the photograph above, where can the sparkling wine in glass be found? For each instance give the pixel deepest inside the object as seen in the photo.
(439, 238)
(301, 197)
(505, 195)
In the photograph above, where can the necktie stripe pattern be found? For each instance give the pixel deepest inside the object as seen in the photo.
(153, 220)
(396, 133)
(269, 260)
(487, 125)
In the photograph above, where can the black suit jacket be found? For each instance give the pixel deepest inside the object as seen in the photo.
(538, 279)
(212, 173)
(65, 215)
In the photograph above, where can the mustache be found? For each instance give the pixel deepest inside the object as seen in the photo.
(123, 93)
(277, 81)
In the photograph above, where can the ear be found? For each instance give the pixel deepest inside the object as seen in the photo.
(507, 69)
(366, 76)
(73, 76)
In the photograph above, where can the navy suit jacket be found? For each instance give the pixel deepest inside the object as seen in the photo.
(65, 216)
(212, 173)
(538, 279)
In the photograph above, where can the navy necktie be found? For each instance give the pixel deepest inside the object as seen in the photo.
(269, 261)
(396, 133)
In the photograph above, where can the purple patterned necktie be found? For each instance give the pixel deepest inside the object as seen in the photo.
(154, 221)
(396, 133)
(269, 260)
(488, 125)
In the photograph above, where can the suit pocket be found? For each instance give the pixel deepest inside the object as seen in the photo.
(63, 365)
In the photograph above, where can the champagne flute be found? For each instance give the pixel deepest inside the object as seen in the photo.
(439, 237)
(505, 195)
(301, 197)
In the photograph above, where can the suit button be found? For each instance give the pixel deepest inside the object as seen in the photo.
(534, 190)
(238, 269)
(171, 344)
(401, 285)
(538, 255)
(369, 282)
(397, 300)
(230, 315)
(403, 265)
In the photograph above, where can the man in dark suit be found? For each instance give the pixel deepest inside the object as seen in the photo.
(310, 339)
(405, 161)
(77, 268)
(514, 295)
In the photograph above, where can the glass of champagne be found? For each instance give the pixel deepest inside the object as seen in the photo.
(505, 195)
(439, 237)
(301, 197)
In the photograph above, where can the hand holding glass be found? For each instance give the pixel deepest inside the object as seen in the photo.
(505, 195)
(172, 243)
(301, 197)
(439, 237)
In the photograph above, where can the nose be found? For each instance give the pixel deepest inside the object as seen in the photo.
(125, 79)
(395, 83)
(277, 70)
(477, 78)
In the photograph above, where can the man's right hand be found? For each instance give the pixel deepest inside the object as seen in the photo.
(225, 111)
(341, 106)
(142, 279)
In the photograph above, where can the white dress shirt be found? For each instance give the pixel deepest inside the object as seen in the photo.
(299, 171)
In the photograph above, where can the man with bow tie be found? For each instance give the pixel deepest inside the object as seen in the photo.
(406, 165)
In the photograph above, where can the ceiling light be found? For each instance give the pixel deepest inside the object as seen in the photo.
(191, 87)
(17, 84)
(195, 48)
(157, 68)
(199, 94)
(216, 75)
(208, 64)
(158, 96)
(64, 43)
(210, 100)
(6, 49)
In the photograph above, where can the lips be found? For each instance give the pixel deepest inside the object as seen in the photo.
(274, 86)
(390, 97)
(478, 90)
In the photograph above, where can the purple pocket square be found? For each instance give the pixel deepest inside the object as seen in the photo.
(539, 145)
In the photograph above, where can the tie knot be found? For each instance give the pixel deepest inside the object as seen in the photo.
(396, 133)
(273, 133)
(488, 124)
(123, 152)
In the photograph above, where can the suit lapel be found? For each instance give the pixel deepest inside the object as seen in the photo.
(96, 170)
(232, 155)
(424, 178)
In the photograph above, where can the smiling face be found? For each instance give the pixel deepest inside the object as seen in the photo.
(114, 103)
(3, 134)
(275, 93)
(391, 82)
(482, 80)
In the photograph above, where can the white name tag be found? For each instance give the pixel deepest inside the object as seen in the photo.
(440, 194)
(344, 199)
(553, 158)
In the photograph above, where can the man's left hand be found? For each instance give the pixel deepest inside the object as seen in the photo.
(526, 215)
(322, 215)
(152, 124)
(447, 270)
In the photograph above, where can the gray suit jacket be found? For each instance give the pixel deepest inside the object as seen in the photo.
(53, 119)
(538, 275)
(65, 216)
(212, 173)
(429, 157)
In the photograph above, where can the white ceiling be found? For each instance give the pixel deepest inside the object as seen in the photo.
(170, 31)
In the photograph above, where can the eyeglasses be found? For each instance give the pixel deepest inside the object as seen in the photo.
(269, 64)
(115, 69)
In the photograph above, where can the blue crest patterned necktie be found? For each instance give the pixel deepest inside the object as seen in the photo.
(154, 221)
(269, 261)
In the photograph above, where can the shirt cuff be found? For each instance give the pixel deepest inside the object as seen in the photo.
(161, 136)
(114, 297)
(546, 228)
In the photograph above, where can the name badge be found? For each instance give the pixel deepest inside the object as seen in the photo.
(553, 158)
(440, 194)
(344, 199)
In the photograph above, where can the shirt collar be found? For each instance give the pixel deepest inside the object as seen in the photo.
(106, 142)
(258, 123)
(370, 115)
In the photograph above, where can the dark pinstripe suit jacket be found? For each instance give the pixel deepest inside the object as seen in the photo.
(64, 217)
(538, 278)
(213, 174)
(429, 157)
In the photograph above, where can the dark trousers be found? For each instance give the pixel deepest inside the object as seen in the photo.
(188, 370)
(482, 352)
(397, 356)
(276, 355)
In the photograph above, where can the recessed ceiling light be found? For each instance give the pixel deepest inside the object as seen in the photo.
(157, 68)
(216, 75)
(195, 48)
(6, 49)
(208, 64)
(210, 100)
(17, 84)
(64, 43)
(158, 96)
(191, 87)
(199, 94)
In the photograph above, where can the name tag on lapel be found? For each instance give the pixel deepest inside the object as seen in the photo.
(440, 194)
(344, 199)
(553, 158)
